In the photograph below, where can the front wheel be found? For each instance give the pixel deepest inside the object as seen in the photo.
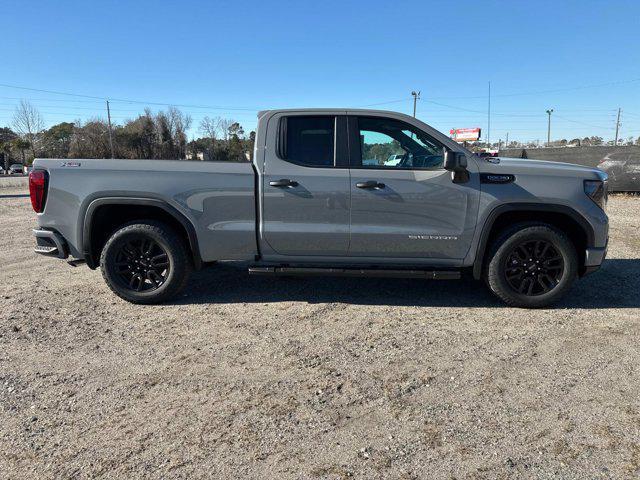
(532, 266)
(145, 262)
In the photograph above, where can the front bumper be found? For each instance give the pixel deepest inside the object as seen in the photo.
(50, 243)
(594, 257)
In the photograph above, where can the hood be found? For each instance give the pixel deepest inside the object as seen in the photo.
(541, 167)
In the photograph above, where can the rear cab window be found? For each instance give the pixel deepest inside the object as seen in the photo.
(307, 140)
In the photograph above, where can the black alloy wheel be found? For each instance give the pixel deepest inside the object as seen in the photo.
(531, 265)
(534, 267)
(146, 262)
(141, 264)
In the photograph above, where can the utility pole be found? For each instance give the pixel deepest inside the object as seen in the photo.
(549, 112)
(617, 126)
(110, 129)
(506, 143)
(489, 119)
(416, 97)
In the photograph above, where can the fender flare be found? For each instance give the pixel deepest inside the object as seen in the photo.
(478, 262)
(87, 219)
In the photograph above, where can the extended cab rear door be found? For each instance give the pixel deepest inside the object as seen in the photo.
(305, 203)
(410, 208)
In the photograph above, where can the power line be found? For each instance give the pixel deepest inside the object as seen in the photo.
(384, 103)
(210, 107)
(97, 99)
(556, 90)
(53, 100)
(584, 123)
(219, 107)
(434, 115)
(431, 112)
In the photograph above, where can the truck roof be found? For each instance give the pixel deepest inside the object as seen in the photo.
(342, 109)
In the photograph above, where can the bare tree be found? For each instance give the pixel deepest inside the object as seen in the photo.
(179, 123)
(216, 127)
(209, 127)
(28, 123)
(223, 128)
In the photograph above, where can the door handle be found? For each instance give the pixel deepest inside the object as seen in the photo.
(283, 182)
(370, 184)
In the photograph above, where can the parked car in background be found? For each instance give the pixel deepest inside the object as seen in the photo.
(2, 172)
(394, 159)
(623, 169)
(486, 154)
(27, 169)
(15, 169)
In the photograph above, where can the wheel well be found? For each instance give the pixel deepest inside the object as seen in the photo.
(106, 219)
(562, 221)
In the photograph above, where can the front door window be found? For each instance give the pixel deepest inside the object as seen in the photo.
(389, 143)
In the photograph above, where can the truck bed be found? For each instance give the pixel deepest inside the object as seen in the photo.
(218, 198)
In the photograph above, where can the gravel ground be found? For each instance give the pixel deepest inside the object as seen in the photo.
(13, 181)
(253, 377)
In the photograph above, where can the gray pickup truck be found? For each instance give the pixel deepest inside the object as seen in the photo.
(320, 198)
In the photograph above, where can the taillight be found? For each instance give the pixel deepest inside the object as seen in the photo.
(38, 189)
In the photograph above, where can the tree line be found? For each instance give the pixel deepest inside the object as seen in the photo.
(161, 135)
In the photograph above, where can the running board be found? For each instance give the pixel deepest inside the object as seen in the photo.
(356, 272)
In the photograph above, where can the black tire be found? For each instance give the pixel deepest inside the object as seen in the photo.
(140, 273)
(536, 280)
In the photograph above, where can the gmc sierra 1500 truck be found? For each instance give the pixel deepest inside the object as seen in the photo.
(320, 198)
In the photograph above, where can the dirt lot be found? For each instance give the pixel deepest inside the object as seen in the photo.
(248, 377)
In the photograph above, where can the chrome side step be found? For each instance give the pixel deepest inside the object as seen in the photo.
(356, 272)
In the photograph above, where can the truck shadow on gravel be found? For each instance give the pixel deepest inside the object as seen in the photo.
(615, 285)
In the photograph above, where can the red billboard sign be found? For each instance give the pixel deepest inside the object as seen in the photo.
(465, 134)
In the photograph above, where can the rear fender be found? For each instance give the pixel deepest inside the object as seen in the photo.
(86, 220)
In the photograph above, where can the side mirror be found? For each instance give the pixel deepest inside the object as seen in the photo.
(455, 161)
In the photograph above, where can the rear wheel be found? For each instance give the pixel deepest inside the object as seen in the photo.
(532, 265)
(145, 262)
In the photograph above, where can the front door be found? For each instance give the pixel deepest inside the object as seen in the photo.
(403, 203)
(306, 186)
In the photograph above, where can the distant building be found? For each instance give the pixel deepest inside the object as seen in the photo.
(197, 156)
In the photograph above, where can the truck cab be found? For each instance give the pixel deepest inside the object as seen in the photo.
(319, 197)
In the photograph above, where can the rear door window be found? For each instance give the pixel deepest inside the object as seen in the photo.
(308, 140)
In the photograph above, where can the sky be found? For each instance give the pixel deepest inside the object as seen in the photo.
(231, 59)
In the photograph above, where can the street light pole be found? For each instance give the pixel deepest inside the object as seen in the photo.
(549, 112)
(416, 97)
(489, 118)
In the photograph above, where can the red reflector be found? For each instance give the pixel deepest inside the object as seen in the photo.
(37, 189)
